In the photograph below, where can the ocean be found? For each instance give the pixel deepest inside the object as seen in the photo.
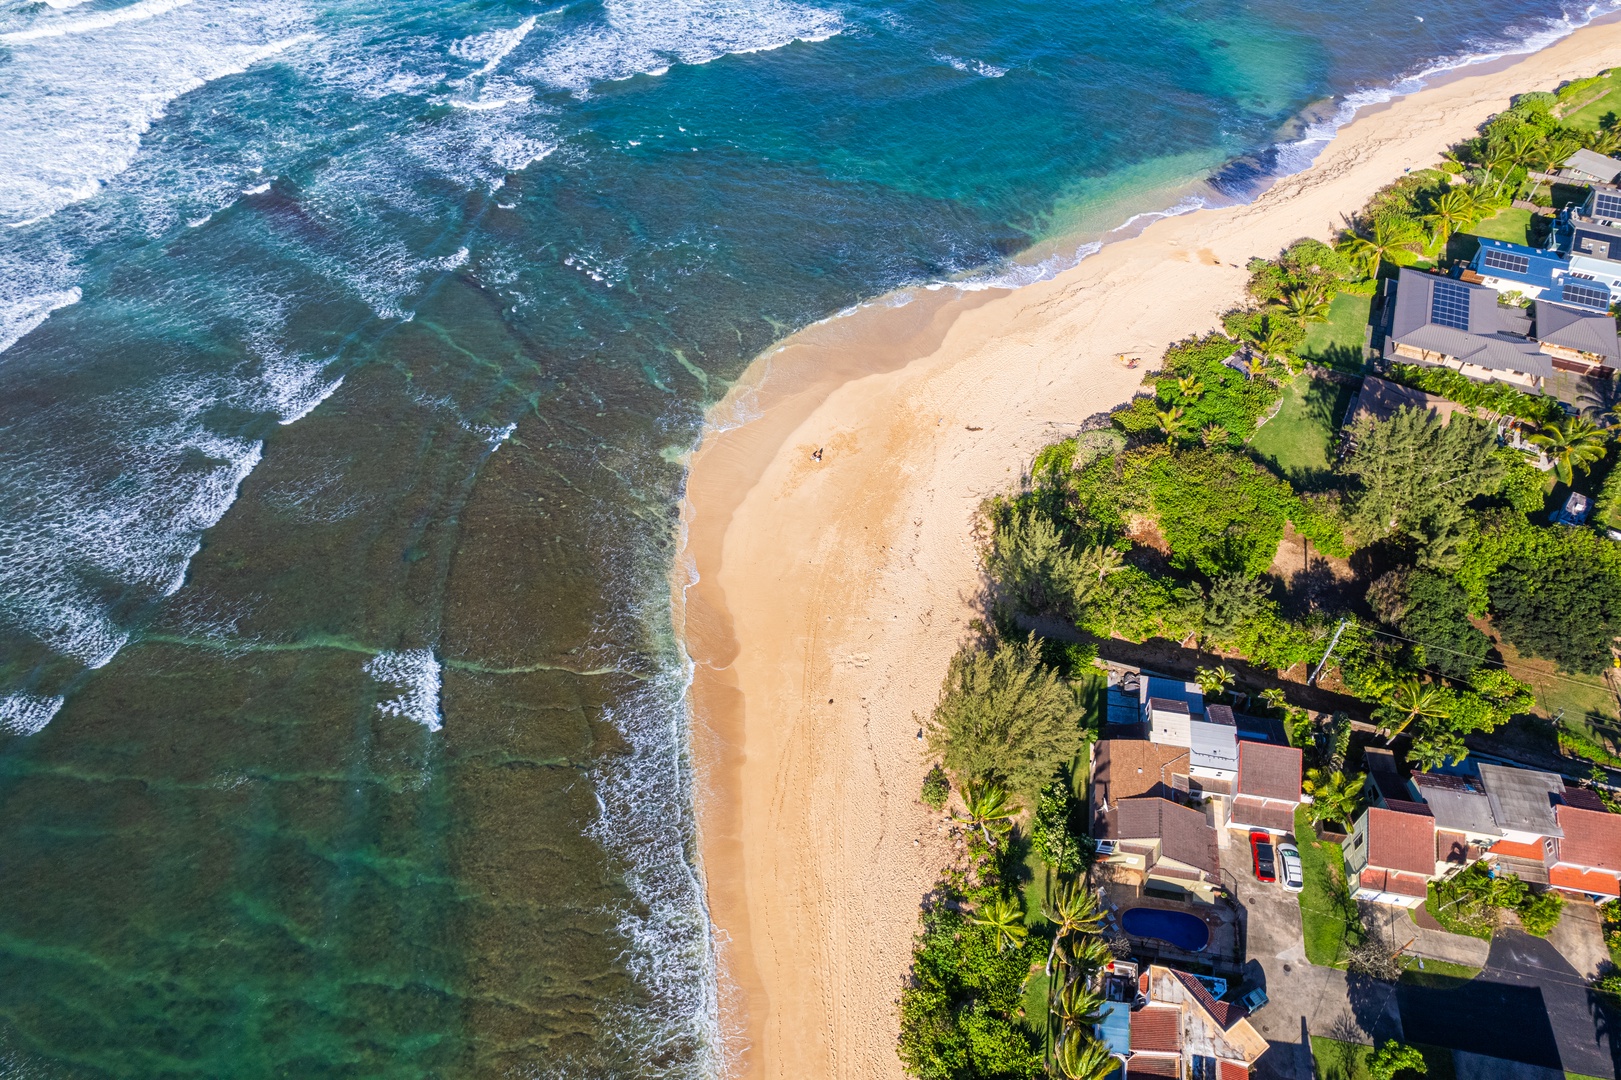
(349, 356)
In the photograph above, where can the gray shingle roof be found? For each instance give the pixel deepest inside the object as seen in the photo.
(1495, 337)
(1585, 331)
(1457, 803)
(1595, 165)
(1521, 799)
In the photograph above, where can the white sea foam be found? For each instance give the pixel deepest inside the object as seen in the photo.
(646, 36)
(417, 672)
(19, 317)
(79, 94)
(27, 714)
(102, 20)
(257, 189)
(492, 47)
(973, 67)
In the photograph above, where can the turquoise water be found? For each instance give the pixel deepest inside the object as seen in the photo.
(350, 353)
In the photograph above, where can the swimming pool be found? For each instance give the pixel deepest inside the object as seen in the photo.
(1186, 932)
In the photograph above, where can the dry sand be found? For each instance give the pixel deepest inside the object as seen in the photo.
(831, 594)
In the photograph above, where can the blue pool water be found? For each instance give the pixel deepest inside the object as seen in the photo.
(1187, 932)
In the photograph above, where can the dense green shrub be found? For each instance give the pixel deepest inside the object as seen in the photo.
(1432, 610)
(1415, 475)
(1525, 487)
(1493, 396)
(936, 788)
(1564, 609)
(1219, 513)
(1050, 835)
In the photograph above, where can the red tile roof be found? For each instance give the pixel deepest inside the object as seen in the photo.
(1587, 881)
(1232, 1070)
(1157, 1027)
(1398, 841)
(1394, 882)
(1224, 1013)
(1143, 1065)
(1271, 772)
(1532, 851)
(1592, 838)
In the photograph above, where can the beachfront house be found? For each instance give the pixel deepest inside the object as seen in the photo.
(1588, 167)
(1390, 856)
(1167, 847)
(1168, 706)
(1460, 324)
(1580, 279)
(1267, 789)
(1586, 860)
(1181, 1030)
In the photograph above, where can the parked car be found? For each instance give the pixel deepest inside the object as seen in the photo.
(1261, 853)
(1290, 872)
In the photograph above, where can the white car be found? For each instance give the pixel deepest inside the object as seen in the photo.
(1289, 874)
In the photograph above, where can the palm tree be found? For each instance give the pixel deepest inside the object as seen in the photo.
(1333, 795)
(1572, 443)
(1078, 1004)
(1273, 341)
(1214, 681)
(1100, 560)
(1005, 921)
(1606, 140)
(1434, 750)
(1389, 235)
(1170, 421)
(1453, 211)
(988, 807)
(1408, 701)
(1190, 387)
(1213, 435)
(1084, 955)
(1081, 1057)
(1255, 366)
(1554, 150)
(1275, 697)
(1517, 149)
(1306, 304)
(1076, 912)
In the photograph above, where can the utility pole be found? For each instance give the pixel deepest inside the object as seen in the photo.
(1327, 654)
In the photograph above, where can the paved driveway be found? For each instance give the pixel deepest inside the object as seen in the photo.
(1302, 1000)
(1527, 1005)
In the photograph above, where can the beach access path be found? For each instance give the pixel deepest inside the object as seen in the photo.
(831, 593)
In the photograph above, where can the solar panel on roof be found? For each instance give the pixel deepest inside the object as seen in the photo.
(1606, 205)
(1593, 296)
(1449, 305)
(1507, 260)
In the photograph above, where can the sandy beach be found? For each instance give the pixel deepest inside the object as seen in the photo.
(830, 594)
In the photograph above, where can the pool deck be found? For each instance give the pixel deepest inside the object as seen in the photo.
(1224, 955)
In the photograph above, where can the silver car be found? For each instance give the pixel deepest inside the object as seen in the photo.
(1289, 873)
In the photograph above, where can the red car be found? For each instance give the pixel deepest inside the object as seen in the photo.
(1261, 851)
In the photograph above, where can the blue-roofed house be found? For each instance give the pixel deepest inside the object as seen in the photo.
(1539, 274)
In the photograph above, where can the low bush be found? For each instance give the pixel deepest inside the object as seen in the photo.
(936, 788)
(1493, 396)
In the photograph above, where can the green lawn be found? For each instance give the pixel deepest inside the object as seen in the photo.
(1336, 1060)
(1337, 342)
(1326, 908)
(1512, 225)
(1442, 913)
(1440, 974)
(1298, 442)
(1599, 100)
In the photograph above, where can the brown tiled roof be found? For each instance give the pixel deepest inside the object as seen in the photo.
(1393, 882)
(1232, 1070)
(1146, 1065)
(1398, 841)
(1126, 768)
(1157, 1027)
(1262, 814)
(1408, 806)
(1224, 1013)
(1587, 881)
(1183, 833)
(1271, 772)
(1592, 838)
(1582, 799)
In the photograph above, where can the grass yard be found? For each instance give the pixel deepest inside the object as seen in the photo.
(1326, 908)
(1593, 103)
(1442, 913)
(1337, 342)
(1438, 974)
(1586, 701)
(1336, 1060)
(1512, 225)
(1298, 442)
